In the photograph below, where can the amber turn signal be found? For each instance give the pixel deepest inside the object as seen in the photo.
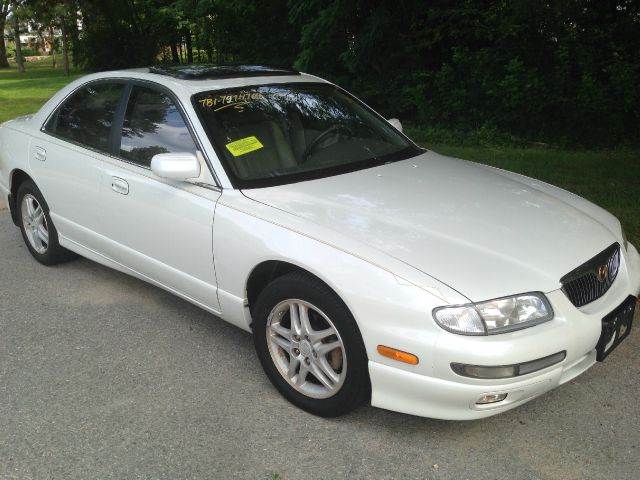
(398, 355)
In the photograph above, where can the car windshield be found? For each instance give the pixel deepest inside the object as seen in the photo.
(274, 134)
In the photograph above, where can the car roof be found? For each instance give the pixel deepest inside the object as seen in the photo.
(195, 79)
(184, 87)
(218, 71)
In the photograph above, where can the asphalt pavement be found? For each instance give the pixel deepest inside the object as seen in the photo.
(103, 376)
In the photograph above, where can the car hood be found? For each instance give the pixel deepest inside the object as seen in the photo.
(483, 231)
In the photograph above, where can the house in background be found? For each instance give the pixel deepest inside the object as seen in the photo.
(40, 42)
(35, 40)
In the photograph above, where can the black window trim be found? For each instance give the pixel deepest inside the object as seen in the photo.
(240, 184)
(60, 104)
(115, 134)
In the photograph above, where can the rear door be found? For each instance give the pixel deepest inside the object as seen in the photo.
(160, 228)
(66, 158)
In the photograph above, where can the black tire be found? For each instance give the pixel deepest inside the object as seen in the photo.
(54, 253)
(356, 388)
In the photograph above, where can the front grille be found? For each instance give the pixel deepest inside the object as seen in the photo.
(592, 279)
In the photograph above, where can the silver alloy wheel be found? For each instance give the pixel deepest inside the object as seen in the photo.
(35, 223)
(306, 348)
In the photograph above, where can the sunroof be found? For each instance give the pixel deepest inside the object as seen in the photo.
(212, 72)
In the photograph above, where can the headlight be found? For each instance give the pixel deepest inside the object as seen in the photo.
(495, 316)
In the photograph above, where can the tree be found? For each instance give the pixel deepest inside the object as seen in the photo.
(63, 14)
(42, 21)
(52, 15)
(15, 13)
(563, 71)
(243, 30)
(4, 11)
(117, 34)
(74, 17)
(53, 44)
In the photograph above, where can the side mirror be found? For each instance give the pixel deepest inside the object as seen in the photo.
(395, 123)
(176, 166)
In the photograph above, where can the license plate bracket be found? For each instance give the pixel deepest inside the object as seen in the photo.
(616, 326)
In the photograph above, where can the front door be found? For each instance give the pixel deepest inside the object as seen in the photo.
(159, 228)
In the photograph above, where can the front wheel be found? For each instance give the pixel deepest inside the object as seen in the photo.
(310, 346)
(37, 228)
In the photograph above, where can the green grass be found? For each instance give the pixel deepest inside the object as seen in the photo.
(26, 93)
(609, 178)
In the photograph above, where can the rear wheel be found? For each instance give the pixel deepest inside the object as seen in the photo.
(37, 228)
(310, 346)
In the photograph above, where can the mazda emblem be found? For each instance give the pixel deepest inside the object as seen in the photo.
(602, 273)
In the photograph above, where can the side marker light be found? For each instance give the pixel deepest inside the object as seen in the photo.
(398, 355)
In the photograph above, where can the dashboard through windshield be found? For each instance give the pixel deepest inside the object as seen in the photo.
(274, 134)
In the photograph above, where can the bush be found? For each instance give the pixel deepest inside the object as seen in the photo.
(26, 52)
(486, 136)
(559, 72)
(30, 52)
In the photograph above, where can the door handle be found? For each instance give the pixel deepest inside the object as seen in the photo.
(40, 154)
(119, 185)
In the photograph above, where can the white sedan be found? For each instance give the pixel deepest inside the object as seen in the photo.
(367, 268)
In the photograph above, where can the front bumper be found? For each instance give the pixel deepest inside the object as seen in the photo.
(446, 395)
(416, 394)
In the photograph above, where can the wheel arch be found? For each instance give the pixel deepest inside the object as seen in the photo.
(269, 270)
(16, 178)
(266, 272)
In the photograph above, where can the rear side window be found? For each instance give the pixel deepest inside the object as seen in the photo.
(152, 125)
(86, 117)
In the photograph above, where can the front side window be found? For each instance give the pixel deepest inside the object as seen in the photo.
(86, 117)
(152, 125)
(274, 134)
